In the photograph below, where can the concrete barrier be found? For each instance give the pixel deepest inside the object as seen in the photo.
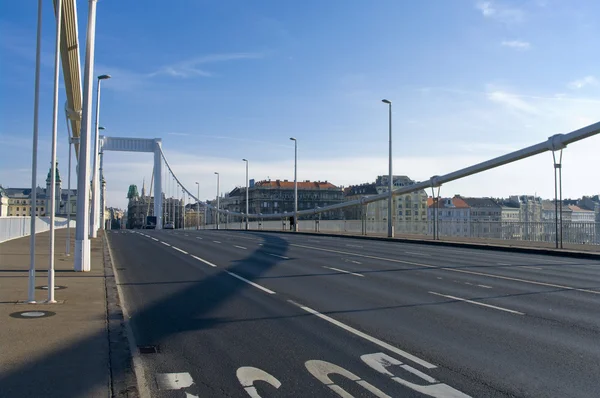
(17, 227)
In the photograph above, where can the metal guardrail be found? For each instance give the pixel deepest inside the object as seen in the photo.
(17, 227)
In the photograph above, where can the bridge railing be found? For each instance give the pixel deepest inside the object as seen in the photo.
(574, 233)
(17, 227)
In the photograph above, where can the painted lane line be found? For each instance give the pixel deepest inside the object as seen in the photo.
(276, 255)
(365, 336)
(356, 262)
(450, 269)
(256, 285)
(529, 266)
(165, 243)
(186, 235)
(241, 247)
(204, 261)
(418, 254)
(485, 286)
(503, 264)
(260, 244)
(345, 272)
(478, 303)
(216, 241)
(179, 250)
(154, 239)
(197, 237)
(173, 381)
(354, 246)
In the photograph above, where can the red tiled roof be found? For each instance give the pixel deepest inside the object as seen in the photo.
(456, 201)
(290, 184)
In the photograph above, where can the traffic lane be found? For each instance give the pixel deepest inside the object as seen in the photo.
(480, 336)
(557, 302)
(211, 342)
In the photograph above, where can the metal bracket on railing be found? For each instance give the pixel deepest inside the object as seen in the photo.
(555, 143)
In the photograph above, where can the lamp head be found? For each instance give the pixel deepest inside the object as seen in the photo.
(386, 101)
(104, 77)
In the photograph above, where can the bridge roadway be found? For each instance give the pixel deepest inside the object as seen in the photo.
(317, 316)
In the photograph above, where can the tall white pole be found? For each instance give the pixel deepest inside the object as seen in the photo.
(246, 160)
(95, 184)
(102, 186)
(69, 208)
(198, 208)
(218, 207)
(53, 157)
(295, 184)
(36, 102)
(82, 242)
(390, 176)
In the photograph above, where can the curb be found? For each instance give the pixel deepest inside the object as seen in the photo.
(123, 383)
(466, 245)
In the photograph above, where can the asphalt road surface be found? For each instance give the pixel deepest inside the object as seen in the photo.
(238, 314)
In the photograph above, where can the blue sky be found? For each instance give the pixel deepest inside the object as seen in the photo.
(222, 80)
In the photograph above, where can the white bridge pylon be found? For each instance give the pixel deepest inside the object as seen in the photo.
(121, 144)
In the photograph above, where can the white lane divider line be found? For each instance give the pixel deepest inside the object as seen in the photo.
(179, 250)
(241, 247)
(485, 286)
(173, 381)
(503, 264)
(359, 246)
(529, 266)
(419, 254)
(365, 336)
(256, 285)
(165, 243)
(197, 237)
(356, 262)
(186, 235)
(216, 241)
(478, 303)
(344, 271)
(450, 269)
(204, 261)
(154, 239)
(277, 255)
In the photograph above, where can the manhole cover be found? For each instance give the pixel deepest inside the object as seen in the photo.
(56, 287)
(32, 314)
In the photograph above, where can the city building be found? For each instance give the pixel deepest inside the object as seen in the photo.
(355, 192)
(141, 206)
(16, 202)
(277, 197)
(453, 216)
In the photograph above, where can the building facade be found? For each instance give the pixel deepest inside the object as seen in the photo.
(453, 217)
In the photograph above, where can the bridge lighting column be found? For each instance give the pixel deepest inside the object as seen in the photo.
(246, 160)
(295, 183)
(217, 212)
(390, 177)
(95, 173)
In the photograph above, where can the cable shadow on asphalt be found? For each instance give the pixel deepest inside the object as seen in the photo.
(183, 310)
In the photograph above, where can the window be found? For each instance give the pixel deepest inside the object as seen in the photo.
(399, 212)
(17, 209)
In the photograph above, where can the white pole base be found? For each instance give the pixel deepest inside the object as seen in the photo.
(82, 255)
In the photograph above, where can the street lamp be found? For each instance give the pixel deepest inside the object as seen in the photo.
(101, 178)
(217, 212)
(390, 177)
(95, 177)
(198, 208)
(295, 183)
(246, 160)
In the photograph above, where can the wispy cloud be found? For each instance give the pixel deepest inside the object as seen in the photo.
(580, 83)
(516, 44)
(511, 101)
(180, 134)
(500, 12)
(191, 67)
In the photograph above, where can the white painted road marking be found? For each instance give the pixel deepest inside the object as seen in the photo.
(464, 271)
(503, 263)
(165, 243)
(247, 375)
(203, 260)
(179, 250)
(365, 336)
(354, 246)
(197, 237)
(277, 255)
(380, 362)
(419, 254)
(154, 239)
(173, 381)
(485, 286)
(256, 285)
(345, 272)
(216, 241)
(322, 369)
(529, 266)
(240, 247)
(478, 303)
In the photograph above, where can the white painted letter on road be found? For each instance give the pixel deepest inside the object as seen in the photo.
(380, 362)
(247, 375)
(322, 369)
